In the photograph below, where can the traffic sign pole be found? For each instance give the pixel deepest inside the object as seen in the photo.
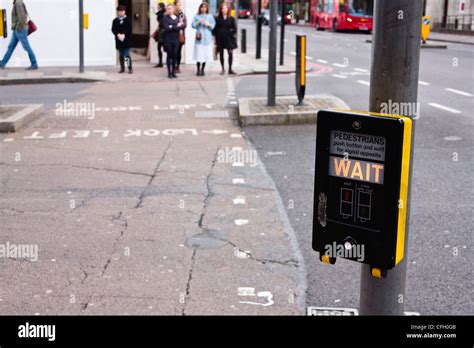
(81, 36)
(282, 32)
(396, 51)
(271, 91)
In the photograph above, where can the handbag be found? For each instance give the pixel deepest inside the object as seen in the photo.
(181, 38)
(198, 36)
(31, 27)
(156, 35)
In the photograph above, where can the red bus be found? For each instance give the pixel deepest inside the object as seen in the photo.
(342, 14)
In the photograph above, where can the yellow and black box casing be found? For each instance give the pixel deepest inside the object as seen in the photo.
(361, 186)
(3, 24)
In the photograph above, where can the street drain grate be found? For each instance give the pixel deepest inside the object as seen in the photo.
(212, 114)
(332, 311)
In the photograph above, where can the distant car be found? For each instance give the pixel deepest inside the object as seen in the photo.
(266, 17)
(244, 13)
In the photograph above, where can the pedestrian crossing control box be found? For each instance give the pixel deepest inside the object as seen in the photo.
(361, 188)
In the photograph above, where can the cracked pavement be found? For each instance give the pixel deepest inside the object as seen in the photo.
(143, 224)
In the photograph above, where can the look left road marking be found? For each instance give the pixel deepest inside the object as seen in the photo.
(457, 91)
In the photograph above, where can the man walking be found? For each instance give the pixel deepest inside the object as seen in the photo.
(20, 34)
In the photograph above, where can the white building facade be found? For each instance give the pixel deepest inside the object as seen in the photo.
(56, 43)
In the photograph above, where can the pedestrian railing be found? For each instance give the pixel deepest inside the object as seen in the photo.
(459, 22)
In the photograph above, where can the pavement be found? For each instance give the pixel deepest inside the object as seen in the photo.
(244, 64)
(152, 203)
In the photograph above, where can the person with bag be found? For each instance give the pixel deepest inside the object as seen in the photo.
(225, 32)
(181, 36)
(158, 35)
(204, 23)
(21, 28)
(172, 25)
(122, 30)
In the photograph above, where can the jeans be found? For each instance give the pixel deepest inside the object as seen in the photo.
(124, 52)
(171, 50)
(22, 37)
(178, 54)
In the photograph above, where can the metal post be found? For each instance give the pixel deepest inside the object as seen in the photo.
(282, 32)
(81, 36)
(258, 51)
(236, 4)
(272, 42)
(394, 76)
(243, 40)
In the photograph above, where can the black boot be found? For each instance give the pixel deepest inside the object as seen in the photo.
(122, 65)
(198, 73)
(128, 59)
(202, 69)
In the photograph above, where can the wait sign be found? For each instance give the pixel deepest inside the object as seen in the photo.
(361, 187)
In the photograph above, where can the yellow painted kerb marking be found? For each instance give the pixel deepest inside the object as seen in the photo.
(303, 60)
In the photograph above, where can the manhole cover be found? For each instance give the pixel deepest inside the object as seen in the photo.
(210, 239)
(332, 311)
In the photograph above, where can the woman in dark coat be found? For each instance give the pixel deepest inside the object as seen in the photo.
(225, 31)
(159, 16)
(122, 30)
(171, 27)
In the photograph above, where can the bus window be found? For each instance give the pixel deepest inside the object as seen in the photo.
(342, 6)
(361, 8)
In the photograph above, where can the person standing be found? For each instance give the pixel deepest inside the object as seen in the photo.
(226, 39)
(122, 30)
(171, 26)
(182, 37)
(204, 23)
(20, 34)
(159, 16)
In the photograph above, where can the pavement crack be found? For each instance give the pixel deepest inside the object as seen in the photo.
(155, 173)
(288, 263)
(124, 223)
(76, 166)
(188, 283)
(209, 193)
(85, 305)
(207, 198)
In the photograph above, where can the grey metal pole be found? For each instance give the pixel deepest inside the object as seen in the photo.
(81, 36)
(243, 40)
(282, 32)
(236, 4)
(394, 76)
(258, 39)
(272, 54)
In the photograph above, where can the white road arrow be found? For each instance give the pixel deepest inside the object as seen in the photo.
(215, 132)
